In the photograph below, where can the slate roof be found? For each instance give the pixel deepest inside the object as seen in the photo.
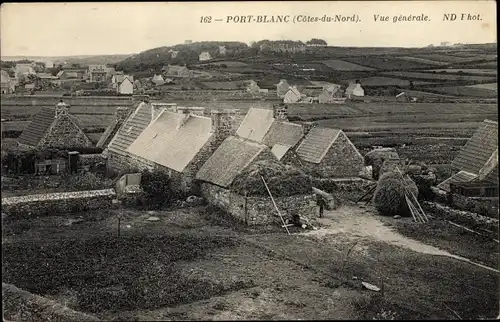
(279, 150)
(317, 143)
(173, 140)
(492, 177)
(131, 129)
(283, 133)
(256, 124)
(232, 156)
(461, 176)
(38, 126)
(478, 148)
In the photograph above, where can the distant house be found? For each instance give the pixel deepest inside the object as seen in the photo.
(204, 56)
(54, 128)
(282, 88)
(99, 73)
(253, 87)
(292, 96)
(173, 53)
(180, 143)
(158, 79)
(355, 89)
(49, 64)
(126, 86)
(24, 70)
(222, 50)
(477, 164)
(7, 84)
(173, 71)
(71, 74)
(329, 94)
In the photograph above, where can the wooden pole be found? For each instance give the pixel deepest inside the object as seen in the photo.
(411, 211)
(275, 206)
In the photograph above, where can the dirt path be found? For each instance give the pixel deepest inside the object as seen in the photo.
(358, 222)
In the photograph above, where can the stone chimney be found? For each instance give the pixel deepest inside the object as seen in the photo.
(280, 112)
(222, 122)
(61, 109)
(307, 126)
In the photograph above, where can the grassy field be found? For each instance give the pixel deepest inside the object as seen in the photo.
(468, 91)
(489, 72)
(491, 86)
(341, 65)
(386, 81)
(455, 59)
(424, 61)
(387, 63)
(431, 76)
(194, 264)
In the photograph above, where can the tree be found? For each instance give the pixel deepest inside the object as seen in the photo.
(156, 187)
(316, 41)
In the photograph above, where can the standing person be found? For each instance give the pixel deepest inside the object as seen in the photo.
(321, 203)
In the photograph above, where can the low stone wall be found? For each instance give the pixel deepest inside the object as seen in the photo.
(92, 159)
(465, 218)
(350, 189)
(55, 203)
(20, 305)
(259, 210)
(483, 206)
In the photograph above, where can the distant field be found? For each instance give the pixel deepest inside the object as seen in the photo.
(492, 86)
(228, 63)
(466, 91)
(490, 64)
(424, 61)
(386, 81)
(342, 65)
(223, 85)
(388, 63)
(436, 76)
(491, 72)
(455, 59)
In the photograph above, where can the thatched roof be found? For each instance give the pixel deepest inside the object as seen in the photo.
(282, 180)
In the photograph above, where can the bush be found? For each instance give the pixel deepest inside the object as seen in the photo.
(283, 181)
(389, 197)
(157, 188)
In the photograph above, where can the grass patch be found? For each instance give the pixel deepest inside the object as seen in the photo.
(116, 274)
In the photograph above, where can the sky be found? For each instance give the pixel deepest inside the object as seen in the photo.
(64, 29)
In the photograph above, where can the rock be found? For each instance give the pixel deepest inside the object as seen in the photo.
(354, 278)
(153, 219)
(304, 226)
(396, 217)
(151, 212)
(128, 226)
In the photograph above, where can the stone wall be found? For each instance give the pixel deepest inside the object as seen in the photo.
(482, 206)
(350, 189)
(341, 161)
(92, 161)
(55, 203)
(223, 95)
(462, 217)
(256, 211)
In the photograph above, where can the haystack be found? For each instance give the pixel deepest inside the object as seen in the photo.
(389, 197)
(376, 159)
(282, 180)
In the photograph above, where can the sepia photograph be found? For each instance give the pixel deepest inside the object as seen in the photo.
(249, 160)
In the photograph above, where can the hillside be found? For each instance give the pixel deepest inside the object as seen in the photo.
(80, 59)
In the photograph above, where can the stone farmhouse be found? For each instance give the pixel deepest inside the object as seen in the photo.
(354, 89)
(204, 56)
(292, 95)
(477, 165)
(125, 85)
(54, 128)
(282, 88)
(7, 84)
(179, 143)
(99, 73)
(174, 71)
(158, 80)
(121, 115)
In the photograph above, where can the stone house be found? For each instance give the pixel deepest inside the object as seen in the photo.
(24, 70)
(121, 115)
(54, 128)
(158, 80)
(329, 94)
(253, 87)
(7, 84)
(222, 51)
(282, 88)
(173, 53)
(119, 160)
(126, 86)
(99, 73)
(355, 89)
(271, 128)
(174, 71)
(204, 56)
(292, 96)
(477, 164)
(179, 143)
(325, 153)
(216, 178)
